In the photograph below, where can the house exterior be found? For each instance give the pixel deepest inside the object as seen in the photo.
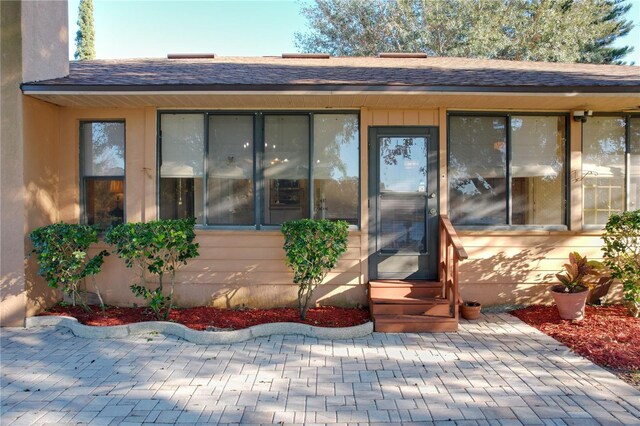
(527, 160)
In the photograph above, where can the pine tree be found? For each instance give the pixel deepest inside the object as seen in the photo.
(525, 30)
(85, 37)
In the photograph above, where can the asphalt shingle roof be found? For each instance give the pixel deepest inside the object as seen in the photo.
(265, 73)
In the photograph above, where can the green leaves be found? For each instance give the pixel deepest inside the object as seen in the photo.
(158, 247)
(312, 249)
(577, 272)
(85, 36)
(622, 254)
(62, 254)
(527, 30)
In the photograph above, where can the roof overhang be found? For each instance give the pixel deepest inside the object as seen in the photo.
(616, 98)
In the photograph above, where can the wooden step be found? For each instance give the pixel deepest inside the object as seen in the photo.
(398, 289)
(414, 324)
(410, 306)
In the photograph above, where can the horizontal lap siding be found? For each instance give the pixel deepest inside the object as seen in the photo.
(517, 268)
(248, 268)
(258, 256)
(398, 117)
(236, 268)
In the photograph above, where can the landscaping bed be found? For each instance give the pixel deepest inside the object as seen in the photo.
(607, 335)
(203, 318)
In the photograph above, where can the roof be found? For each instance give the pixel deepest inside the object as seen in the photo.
(341, 73)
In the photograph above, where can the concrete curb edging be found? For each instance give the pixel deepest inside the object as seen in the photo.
(200, 337)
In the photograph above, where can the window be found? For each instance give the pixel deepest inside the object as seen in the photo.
(336, 166)
(610, 167)
(255, 169)
(181, 166)
(230, 170)
(507, 170)
(286, 168)
(102, 170)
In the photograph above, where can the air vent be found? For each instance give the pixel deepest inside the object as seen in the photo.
(191, 55)
(305, 56)
(402, 55)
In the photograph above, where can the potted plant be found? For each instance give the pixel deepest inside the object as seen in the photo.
(572, 292)
(470, 310)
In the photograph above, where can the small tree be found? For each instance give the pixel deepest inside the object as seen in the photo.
(622, 255)
(85, 36)
(62, 253)
(158, 247)
(312, 249)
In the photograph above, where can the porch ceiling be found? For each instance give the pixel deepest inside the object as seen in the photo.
(344, 100)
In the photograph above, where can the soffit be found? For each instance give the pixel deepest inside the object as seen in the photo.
(302, 100)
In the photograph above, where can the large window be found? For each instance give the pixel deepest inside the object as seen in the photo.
(507, 170)
(610, 167)
(182, 166)
(336, 167)
(258, 169)
(102, 170)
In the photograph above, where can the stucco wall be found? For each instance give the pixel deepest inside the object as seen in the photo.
(12, 298)
(46, 44)
(34, 47)
(41, 146)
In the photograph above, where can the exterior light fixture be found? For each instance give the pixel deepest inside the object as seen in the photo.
(582, 115)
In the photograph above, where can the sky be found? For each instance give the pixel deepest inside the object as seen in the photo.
(143, 28)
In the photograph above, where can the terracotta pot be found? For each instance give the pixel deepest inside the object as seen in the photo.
(570, 305)
(470, 310)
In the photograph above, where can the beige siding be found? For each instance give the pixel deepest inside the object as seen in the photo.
(238, 268)
(399, 117)
(517, 267)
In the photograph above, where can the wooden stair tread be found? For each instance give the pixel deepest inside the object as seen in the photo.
(409, 301)
(404, 283)
(413, 318)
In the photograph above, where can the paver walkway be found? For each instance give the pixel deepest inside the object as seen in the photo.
(495, 371)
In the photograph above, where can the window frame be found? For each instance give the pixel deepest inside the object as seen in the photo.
(508, 226)
(627, 163)
(258, 162)
(81, 169)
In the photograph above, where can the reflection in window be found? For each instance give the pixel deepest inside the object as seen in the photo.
(403, 164)
(403, 187)
(603, 168)
(478, 165)
(477, 170)
(286, 168)
(230, 177)
(634, 181)
(102, 147)
(220, 164)
(335, 167)
(538, 170)
(181, 166)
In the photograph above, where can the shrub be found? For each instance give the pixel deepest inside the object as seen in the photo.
(157, 247)
(622, 255)
(62, 254)
(312, 249)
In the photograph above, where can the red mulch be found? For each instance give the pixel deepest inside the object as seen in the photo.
(607, 335)
(201, 318)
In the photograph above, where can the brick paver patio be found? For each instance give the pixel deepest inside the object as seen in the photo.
(495, 371)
